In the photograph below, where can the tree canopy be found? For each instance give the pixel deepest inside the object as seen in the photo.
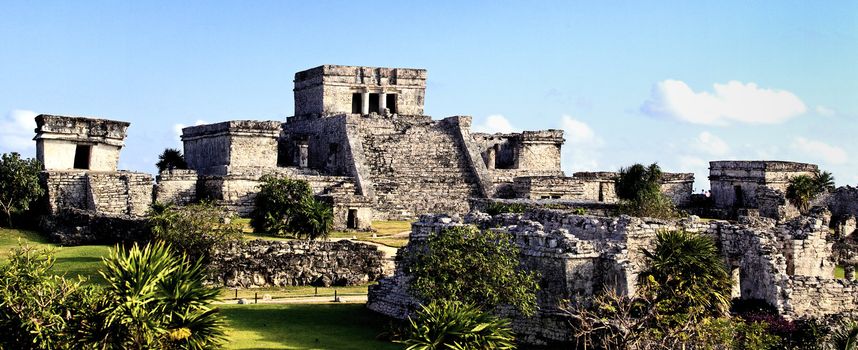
(19, 183)
(171, 159)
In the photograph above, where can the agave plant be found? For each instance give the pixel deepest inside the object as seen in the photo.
(447, 324)
(154, 299)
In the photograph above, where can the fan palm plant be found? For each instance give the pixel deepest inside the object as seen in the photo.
(455, 325)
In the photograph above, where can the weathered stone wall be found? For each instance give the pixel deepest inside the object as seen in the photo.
(773, 204)
(540, 150)
(260, 263)
(223, 148)
(121, 192)
(70, 226)
(329, 89)
(806, 295)
(731, 178)
(843, 202)
(552, 187)
(57, 138)
(177, 186)
(579, 255)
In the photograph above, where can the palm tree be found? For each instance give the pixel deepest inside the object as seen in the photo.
(685, 273)
(801, 190)
(845, 337)
(171, 159)
(824, 182)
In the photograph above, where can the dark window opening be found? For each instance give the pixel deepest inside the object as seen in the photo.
(374, 103)
(391, 102)
(555, 197)
(351, 221)
(740, 197)
(81, 156)
(545, 197)
(356, 103)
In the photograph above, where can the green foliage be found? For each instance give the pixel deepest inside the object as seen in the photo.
(685, 278)
(153, 299)
(495, 208)
(845, 336)
(803, 188)
(195, 230)
(37, 308)
(447, 324)
(639, 189)
(285, 206)
(579, 211)
(19, 183)
(472, 266)
(171, 159)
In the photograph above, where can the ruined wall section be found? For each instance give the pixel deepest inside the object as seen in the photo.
(117, 193)
(177, 186)
(417, 166)
(58, 138)
(734, 183)
(259, 263)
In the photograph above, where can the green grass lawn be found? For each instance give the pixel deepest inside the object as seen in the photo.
(71, 261)
(304, 326)
(295, 292)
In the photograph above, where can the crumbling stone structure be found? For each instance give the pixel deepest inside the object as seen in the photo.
(80, 157)
(787, 265)
(734, 183)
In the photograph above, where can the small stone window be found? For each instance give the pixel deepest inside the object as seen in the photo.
(374, 104)
(391, 103)
(357, 102)
(81, 156)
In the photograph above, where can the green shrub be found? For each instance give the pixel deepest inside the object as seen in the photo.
(196, 230)
(455, 325)
(287, 206)
(37, 309)
(473, 266)
(495, 208)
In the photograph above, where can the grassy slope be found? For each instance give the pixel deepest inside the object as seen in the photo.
(304, 326)
(71, 261)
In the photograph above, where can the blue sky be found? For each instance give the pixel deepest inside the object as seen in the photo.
(680, 83)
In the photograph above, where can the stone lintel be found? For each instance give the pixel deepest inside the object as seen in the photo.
(253, 128)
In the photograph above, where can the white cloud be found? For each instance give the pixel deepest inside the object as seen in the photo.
(581, 151)
(17, 129)
(731, 102)
(177, 129)
(710, 144)
(696, 165)
(493, 124)
(825, 111)
(820, 150)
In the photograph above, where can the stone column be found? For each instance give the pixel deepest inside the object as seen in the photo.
(364, 106)
(382, 101)
(490, 158)
(303, 155)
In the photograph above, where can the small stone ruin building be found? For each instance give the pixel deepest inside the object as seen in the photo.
(80, 157)
(756, 185)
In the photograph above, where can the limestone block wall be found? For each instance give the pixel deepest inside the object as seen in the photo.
(816, 296)
(552, 187)
(773, 204)
(540, 150)
(177, 186)
(328, 147)
(260, 263)
(120, 192)
(843, 202)
(416, 166)
(678, 187)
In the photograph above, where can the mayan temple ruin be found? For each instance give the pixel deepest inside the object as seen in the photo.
(360, 138)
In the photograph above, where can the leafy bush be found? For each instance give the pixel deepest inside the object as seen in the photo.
(171, 159)
(153, 299)
(447, 324)
(19, 183)
(285, 206)
(37, 309)
(195, 230)
(639, 190)
(476, 267)
(495, 208)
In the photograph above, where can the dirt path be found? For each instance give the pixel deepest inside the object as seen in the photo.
(302, 300)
